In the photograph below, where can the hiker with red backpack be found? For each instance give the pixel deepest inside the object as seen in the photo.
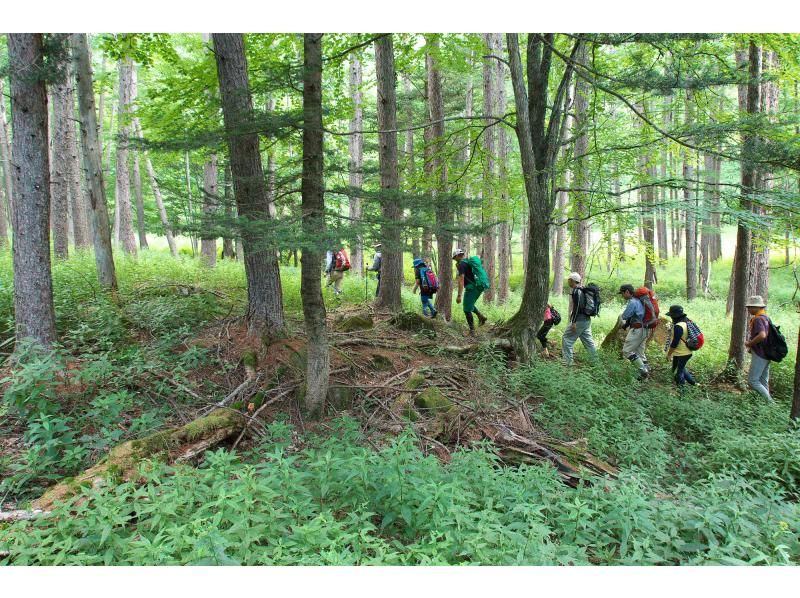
(472, 282)
(338, 263)
(686, 338)
(425, 280)
(640, 318)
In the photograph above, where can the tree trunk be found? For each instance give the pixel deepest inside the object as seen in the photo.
(265, 301)
(489, 207)
(504, 230)
(272, 190)
(190, 219)
(162, 211)
(208, 240)
(661, 225)
(707, 233)
(539, 146)
(736, 349)
(5, 156)
(63, 115)
(92, 163)
(465, 240)
(647, 198)
(33, 284)
(716, 220)
(444, 216)
(690, 210)
(227, 242)
(127, 94)
(355, 146)
(313, 193)
(560, 253)
(392, 256)
(137, 188)
(579, 230)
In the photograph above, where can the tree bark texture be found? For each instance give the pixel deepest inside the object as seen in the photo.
(208, 240)
(580, 227)
(691, 207)
(92, 163)
(392, 262)
(741, 272)
(33, 284)
(647, 198)
(560, 253)
(228, 251)
(59, 157)
(5, 157)
(313, 198)
(355, 146)
(127, 93)
(489, 206)
(506, 212)
(444, 215)
(706, 232)
(265, 299)
(139, 195)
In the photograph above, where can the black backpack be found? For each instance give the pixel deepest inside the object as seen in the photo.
(556, 317)
(774, 345)
(591, 300)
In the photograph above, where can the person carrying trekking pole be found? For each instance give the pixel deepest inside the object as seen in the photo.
(638, 334)
(376, 267)
(425, 280)
(680, 351)
(580, 323)
(758, 332)
(472, 281)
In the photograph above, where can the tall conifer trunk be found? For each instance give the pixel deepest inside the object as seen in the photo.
(355, 146)
(123, 195)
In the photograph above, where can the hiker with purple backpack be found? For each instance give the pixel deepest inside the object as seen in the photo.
(425, 280)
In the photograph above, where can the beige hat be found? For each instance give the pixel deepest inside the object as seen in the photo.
(575, 277)
(755, 301)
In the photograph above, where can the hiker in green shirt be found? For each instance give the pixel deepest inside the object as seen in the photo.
(472, 281)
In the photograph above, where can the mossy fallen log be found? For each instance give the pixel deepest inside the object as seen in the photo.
(176, 445)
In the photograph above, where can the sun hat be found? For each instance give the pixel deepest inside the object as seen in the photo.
(755, 301)
(418, 262)
(575, 277)
(458, 252)
(675, 311)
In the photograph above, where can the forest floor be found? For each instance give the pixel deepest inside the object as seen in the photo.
(532, 463)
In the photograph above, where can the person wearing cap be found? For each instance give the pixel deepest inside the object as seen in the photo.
(635, 344)
(580, 325)
(758, 329)
(467, 288)
(427, 306)
(376, 266)
(679, 351)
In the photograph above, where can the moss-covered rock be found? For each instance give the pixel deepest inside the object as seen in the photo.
(413, 322)
(355, 322)
(433, 400)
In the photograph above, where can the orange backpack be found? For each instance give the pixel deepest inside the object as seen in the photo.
(651, 309)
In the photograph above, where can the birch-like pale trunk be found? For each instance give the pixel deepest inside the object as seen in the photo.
(504, 228)
(355, 147)
(489, 206)
(5, 156)
(127, 93)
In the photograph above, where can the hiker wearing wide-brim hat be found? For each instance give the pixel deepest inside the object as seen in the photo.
(679, 351)
(758, 330)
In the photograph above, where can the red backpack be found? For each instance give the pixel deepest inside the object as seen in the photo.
(342, 261)
(650, 303)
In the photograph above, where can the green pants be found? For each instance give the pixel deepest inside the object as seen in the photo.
(471, 294)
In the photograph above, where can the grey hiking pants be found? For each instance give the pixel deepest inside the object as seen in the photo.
(758, 377)
(583, 331)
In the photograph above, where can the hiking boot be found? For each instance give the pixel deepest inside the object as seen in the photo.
(481, 319)
(644, 375)
(470, 334)
(433, 317)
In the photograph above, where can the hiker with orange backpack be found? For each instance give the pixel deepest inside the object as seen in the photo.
(639, 318)
(425, 280)
(337, 264)
(686, 338)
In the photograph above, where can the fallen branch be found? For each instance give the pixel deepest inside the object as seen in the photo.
(255, 415)
(9, 516)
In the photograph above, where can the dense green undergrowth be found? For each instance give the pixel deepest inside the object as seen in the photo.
(706, 477)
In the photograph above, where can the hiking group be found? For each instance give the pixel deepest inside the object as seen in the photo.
(639, 318)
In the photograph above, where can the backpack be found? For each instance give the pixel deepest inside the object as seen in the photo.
(591, 300)
(428, 283)
(774, 345)
(555, 316)
(651, 308)
(342, 261)
(481, 278)
(695, 336)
